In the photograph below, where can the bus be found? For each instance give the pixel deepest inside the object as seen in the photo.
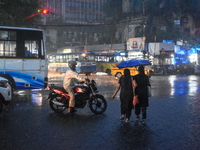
(86, 64)
(58, 62)
(87, 60)
(23, 57)
(108, 61)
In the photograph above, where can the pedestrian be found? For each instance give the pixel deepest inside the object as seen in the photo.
(126, 94)
(140, 82)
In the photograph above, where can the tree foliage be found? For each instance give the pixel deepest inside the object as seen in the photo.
(12, 12)
(160, 13)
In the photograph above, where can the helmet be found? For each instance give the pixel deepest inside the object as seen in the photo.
(72, 64)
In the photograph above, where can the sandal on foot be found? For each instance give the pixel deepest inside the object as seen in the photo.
(122, 117)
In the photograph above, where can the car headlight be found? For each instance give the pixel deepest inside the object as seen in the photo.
(4, 83)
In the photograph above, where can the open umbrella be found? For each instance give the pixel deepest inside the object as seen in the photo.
(133, 62)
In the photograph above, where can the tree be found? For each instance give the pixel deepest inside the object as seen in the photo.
(164, 12)
(12, 12)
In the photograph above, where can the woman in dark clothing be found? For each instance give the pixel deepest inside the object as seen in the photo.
(126, 94)
(141, 81)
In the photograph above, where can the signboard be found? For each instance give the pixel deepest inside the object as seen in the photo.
(155, 48)
(68, 50)
(136, 44)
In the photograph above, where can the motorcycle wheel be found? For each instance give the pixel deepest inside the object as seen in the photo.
(56, 108)
(98, 105)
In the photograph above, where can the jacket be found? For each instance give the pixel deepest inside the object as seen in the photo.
(71, 78)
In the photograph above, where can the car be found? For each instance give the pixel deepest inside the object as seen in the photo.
(118, 72)
(5, 92)
(165, 69)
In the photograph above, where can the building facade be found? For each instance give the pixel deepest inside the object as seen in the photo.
(74, 23)
(76, 11)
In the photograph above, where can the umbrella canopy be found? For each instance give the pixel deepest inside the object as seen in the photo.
(133, 62)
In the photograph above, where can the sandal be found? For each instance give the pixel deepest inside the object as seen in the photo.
(122, 117)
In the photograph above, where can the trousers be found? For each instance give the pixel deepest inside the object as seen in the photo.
(70, 92)
(138, 110)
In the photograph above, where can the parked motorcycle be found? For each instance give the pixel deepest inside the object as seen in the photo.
(59, 98)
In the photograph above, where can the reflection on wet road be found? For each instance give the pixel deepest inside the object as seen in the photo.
(175, 85)
(173, 119)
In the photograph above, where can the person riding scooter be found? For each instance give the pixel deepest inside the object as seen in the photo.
(70, 79)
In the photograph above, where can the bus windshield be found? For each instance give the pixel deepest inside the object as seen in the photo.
(87, 57)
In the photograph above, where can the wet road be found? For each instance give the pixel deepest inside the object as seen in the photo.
(173, 120)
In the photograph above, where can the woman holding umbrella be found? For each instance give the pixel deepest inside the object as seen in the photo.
(141, 81)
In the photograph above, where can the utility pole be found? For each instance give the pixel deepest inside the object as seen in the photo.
(143, 13)
(125, 46)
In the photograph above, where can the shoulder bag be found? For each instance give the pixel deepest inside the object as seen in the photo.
(135, 99)
(149, 91)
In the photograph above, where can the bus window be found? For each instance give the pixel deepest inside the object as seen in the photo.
(111, 59)
(57, 58)
(91, 58)
(118, 58)
(70, 57)
(32, 48)
(8, 48)
(64, 58)
(52, 59)
(61, 59)
(7, 43)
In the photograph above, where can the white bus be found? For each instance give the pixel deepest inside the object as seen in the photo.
(23, 57)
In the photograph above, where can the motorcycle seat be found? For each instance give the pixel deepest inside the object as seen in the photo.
(59, 87)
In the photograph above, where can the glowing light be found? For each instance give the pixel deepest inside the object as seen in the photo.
(79, 90)
(45, 11)
(39, 10)
(83, 55)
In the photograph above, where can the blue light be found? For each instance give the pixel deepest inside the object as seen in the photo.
(181, 52)
(192, 51)
(174, 60)
(168, 41)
